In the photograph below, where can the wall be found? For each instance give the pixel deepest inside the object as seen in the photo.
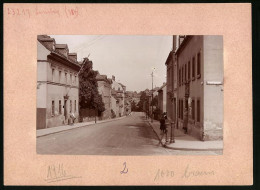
(116, 86)
(160, 100)
(42, 53)
(164, 89)
(191, 49)
(114, 106)
(56, 93)
(105, 90)
(213, 94)
(169, 106)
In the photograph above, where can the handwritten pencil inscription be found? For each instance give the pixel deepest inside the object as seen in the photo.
(196, 173)
(58, 173)
(163, 174)
(125, 170)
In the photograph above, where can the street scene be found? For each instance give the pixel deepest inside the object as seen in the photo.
(129, 95)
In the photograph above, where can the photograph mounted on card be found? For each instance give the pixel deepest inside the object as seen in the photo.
(83, 97)
(127, 94)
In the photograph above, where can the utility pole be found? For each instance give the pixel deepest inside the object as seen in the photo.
(152, 99)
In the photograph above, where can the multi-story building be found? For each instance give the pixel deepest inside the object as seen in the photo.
(104, 88)
(119, 89)
(195, 85)
(57, 83)
(162, 95)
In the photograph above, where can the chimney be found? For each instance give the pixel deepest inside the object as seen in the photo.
(62, 49)
(174, 43)
(73, 56)
(113, 78)
(47, 41)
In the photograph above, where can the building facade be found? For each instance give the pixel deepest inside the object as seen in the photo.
(118, 92)
(57, 83)
(195, 85)
(104, 88)
(162, 95)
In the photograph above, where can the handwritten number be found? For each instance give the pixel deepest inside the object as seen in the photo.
(125, 170)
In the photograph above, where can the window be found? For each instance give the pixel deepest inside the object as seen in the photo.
(193, 68)
(75, 79)
(179, 77)
(70, 106)
(52, 108)
(188, 70)
(173, 79)
(198, 64)
(59, 106)
(66, 78)
(53, 75)
(70, 78)
(181, 109)
(198, 110)
(193, 109)
(182, 76)
(60, 76)
(185, 71)
(75, 106)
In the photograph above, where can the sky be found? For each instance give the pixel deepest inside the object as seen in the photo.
(131, 59)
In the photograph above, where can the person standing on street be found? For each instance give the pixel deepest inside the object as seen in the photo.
(163, 127)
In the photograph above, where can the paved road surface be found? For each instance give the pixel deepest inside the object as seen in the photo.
(128, 136)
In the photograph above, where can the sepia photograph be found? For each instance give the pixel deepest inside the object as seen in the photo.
(129, 95)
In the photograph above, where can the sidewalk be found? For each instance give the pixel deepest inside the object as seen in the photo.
(184, 141)
(47, 131)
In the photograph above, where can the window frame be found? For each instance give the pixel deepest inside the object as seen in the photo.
(198, 109)
(70, 106)
(52, 108)
(193, 73)
(198, 64)
(189, 70)
(53, 74)
(65, 76)
(60, 107)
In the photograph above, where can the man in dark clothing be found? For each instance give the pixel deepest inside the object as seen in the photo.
(163, 127)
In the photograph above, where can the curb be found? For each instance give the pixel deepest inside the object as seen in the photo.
(79, 127)
(189, 149)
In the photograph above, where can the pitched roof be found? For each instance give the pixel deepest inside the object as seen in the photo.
(100, 77)
(162, 87)
(121, 84)
(43, 39)
(61, 46)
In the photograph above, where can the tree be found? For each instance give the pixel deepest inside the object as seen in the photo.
(144, 101)
(88, 88)
(133, 106)
(154, 101)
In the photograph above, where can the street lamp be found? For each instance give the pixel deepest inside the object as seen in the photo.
(152, 96)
